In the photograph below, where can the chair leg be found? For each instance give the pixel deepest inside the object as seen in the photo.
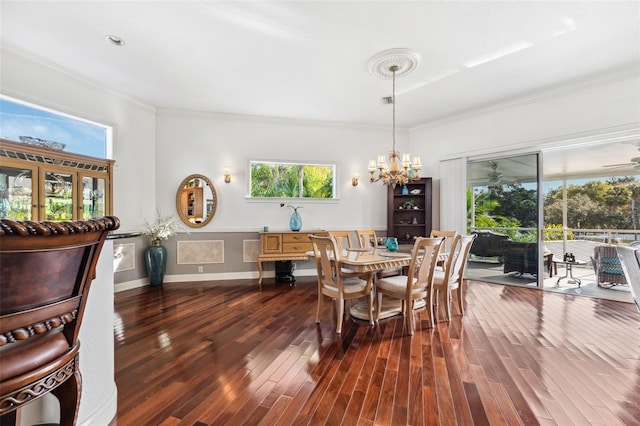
(447, 305)
(9, 419)
(319, 310)
(430, 314)
(340, 313)
(370, 308)
(459, 294)
(378, 306)
(410, 324)
(68, 393)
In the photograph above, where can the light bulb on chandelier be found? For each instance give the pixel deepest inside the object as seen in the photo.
(396, 171)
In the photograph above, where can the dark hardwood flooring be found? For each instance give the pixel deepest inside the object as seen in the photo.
(223, 352)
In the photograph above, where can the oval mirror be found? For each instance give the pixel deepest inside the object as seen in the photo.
(196, 201)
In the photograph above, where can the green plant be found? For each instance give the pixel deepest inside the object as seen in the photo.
(409, 204)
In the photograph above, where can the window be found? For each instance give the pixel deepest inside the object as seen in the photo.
(21, 122)
(292, 180)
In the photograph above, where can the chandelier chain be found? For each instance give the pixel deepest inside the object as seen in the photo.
(397, 171)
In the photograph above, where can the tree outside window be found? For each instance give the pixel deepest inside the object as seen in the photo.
(291, 180)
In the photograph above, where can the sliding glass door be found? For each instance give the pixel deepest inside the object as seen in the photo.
(503, 209)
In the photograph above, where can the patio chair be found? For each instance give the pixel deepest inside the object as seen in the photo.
(607, 266)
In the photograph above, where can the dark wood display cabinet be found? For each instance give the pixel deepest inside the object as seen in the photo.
(409, 211)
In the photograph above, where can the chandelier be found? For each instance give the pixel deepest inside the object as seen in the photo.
(395, 171)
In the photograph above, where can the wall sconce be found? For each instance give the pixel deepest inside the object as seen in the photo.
(354, 179)
(227, 175)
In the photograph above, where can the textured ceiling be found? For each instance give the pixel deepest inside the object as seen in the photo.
(308, 60)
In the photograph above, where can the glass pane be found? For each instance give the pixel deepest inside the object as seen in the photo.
(58, 199)
(502, 196)
(292, 180)
(93, 197)
(16, 199)
(29, 124)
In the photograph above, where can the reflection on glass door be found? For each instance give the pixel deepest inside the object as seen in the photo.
(16, 193)
(58, 196)
(93, 197)
(503, 200)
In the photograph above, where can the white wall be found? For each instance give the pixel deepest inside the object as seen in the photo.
(548, 118)
(133, 124)
(191, 142)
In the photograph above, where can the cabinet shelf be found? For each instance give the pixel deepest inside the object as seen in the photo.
(405, 232)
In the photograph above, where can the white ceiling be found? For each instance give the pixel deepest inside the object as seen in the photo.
(308, 59)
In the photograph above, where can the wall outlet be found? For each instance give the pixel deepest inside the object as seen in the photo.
(200, 270)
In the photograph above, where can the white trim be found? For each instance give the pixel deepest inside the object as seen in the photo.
(105, 414)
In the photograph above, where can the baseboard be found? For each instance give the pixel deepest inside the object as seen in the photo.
(128, 285)
(105, 414)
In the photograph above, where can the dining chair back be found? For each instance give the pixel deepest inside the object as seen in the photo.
(417, 284)
(343, 238)
(448, 239)
(367, 238)
(333, 282)
(46, 273)
(451, 278)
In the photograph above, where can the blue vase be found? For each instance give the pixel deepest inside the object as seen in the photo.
(391, 244)
(295, 223)
(405, 190)
(155, 260)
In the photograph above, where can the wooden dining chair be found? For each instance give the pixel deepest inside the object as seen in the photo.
(448, 239)
(343, 239)
(417, 284)
(451, 278)
(46, 273)
(366, 238)
(332, 281)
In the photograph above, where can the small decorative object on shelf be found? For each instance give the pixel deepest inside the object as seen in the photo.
(408, 205)
(405, 190)
(155, 256)
(295, 222)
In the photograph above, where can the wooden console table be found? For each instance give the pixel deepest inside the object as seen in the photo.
(284, 246)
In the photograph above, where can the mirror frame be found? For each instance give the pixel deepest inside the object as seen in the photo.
(182, 214)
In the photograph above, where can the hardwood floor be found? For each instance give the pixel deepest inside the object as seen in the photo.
(212, 353)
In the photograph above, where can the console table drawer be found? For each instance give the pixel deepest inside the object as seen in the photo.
(296, 238)
(296, 247)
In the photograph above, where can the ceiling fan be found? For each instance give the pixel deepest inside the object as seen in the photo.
(635, 162)
(494, 175)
